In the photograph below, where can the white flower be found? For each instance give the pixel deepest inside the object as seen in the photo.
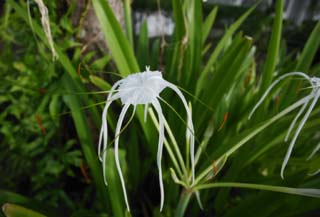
(141, 88)
(312, 97)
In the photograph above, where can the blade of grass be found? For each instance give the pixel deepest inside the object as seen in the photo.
(10, 197)
(143, 45)
(305, 60)
(208, 23)
(114, 187)
(193, 58)
(273, 49)
(119, 46)
(128, 20)
(309, 50)
(220, 47)
(13, 210)
(175, 57)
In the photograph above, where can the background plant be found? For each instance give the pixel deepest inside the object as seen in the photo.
(224, 80)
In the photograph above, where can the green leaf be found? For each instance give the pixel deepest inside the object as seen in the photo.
(118, 44)
(100, 83)
(220, 47)
(208, 23)
(12, 210)
(309, 50)
(13, 198)
(143, 46)
(273, 49)
(194, 49)
(127, 15)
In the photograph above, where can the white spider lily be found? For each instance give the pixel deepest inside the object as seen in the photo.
(141, 88)
(312, 97)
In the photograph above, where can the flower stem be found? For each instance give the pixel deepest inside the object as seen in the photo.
(183, 203)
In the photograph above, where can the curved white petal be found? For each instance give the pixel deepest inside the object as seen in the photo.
(189, 122)
(293, 141)
(104, 130)
(303, 108)
(274, 84)
(314, 173)
(157, 107)
(315, 150)
(104, 135)
(116, 152)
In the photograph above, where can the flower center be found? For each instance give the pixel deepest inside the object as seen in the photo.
(141, 88)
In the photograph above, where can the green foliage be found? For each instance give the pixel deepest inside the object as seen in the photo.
(50, 117)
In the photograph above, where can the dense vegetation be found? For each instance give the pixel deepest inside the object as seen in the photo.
(51, 115)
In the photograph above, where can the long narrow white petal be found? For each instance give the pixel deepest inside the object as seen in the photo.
(273, 84)
(157, 107)
(303, 108)
(314, 173)
(293, 141)
(104, 130)
(116, 152)
(315, 150)
(104, 135)
(189, 127)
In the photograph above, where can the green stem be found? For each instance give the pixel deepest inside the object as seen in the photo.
(310, 192)
(175, 146)
(166, 144)
(183, 203)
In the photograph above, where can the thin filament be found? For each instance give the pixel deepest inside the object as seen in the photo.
(315, 150)
(303, 108)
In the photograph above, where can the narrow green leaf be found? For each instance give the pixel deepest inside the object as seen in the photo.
(100, 83)
(208, 23)
(179, 20)
(119, 46)
(14, 198)
(128, 19)
(221, 45)
(309, 50)
(193, 59)
(114, 184)
(175, 57)
(13, 210)
(143, 46)
(273, 49)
